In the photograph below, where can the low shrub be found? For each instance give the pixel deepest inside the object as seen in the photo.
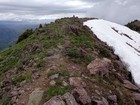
(55, 90)
(25, 35)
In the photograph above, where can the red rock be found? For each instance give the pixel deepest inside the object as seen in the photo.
(77, 82)
(129, 85)
(99, 66)
(137, 98)
(81, 96)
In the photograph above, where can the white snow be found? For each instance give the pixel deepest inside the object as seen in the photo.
(118, 36)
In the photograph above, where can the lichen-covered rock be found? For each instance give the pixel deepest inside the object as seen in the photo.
(99, 66)
(35, 97)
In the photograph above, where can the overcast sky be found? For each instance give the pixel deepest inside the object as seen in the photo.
(120, 11)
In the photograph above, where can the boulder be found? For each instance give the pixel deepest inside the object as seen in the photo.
(81, 96)
(56, 100)
(69, 99)
(99, 66)
(129, 85)
(77, 82)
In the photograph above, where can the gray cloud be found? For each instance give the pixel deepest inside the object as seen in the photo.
(120, 11)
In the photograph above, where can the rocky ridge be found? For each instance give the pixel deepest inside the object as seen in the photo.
(64, 63)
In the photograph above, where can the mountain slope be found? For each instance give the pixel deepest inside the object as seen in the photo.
(64, 63)
(125, 42)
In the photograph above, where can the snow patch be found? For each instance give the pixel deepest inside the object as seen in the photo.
(125, 42)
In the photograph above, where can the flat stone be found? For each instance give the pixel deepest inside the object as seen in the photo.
(55, 76)
(129, 85)
(35, 97)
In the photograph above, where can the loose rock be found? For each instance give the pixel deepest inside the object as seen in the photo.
(77, 82)
(113, 98)
(55, 76)
(81, 96)
(69, 99)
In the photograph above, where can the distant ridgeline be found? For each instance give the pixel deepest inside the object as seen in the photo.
(10, 31)
(7, 36)
(134, 25)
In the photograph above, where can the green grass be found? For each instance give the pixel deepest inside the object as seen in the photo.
(21, 77)
(63, 73)
(55, 90)
(79, 57)
(5, 101)
(40, 64)
(82, 40)
(103, 51)
(50, 73)
(73, 53)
